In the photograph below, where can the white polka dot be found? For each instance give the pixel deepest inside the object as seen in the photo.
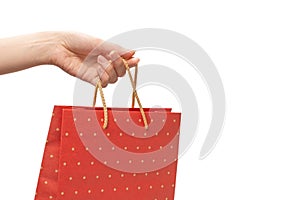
(89, 119)
(57, 129)
(109, 176)
(78, 163)
(97, 177)
(115, 189)
(73, 149)
(156, 134)
(149, 147)
(115, 120)
(142, 161)
(86, 148)
(51, 156)
(74, 119)
(146, 174)
(139, 187)
(45, 182)
(70, 178)
(174, 120)
(113, 148)
(84, 177)
(145, 134)
(56, 171)
(67, 134)
(122, 175)
(162, 186)
(153, 160)
(166, 198)
(108, 134)
(105, 162)
(64, 164)
(165, 160)
(140, 120)
(173, 185)
(168, 172)
(160, 147)
(163, 120)
(125, 148)
(157, 173)
(137, 147)
(100, 148)
(95, 134)
(80, 134)
(50, 197)
(150, 186)
(118, 162)
(130, 161)
(89, 191)
(102, 190)
(101, 119)
(167, 133)
(121, 134)
(92, 163)
(134, 174)
(127, 120)
(62, 193)
(132, 134)
(171, 147)
(76, 192)
(127, 188)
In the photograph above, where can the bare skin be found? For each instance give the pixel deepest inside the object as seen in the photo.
(80, 55)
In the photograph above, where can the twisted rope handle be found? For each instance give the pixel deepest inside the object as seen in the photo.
(134, 97)
(99, 86)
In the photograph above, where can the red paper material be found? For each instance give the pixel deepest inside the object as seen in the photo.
(123, 162)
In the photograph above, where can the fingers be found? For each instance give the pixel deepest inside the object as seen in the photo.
(105, 48)
(105, 70)
(117, 63)
(133, 62)
(127, 54)
(108, 68)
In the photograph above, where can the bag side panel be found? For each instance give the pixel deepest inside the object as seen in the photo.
(47, 182)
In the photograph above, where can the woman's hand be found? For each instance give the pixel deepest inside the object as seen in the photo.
(90, 58)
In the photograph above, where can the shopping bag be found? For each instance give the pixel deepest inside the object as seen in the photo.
(110, 153)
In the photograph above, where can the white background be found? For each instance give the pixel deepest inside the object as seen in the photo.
(255, 46)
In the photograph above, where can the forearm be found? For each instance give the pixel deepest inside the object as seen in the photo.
(22, 52)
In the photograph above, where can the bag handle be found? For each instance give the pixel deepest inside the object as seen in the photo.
(134, 96)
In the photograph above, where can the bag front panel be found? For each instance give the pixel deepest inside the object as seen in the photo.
(115, 163)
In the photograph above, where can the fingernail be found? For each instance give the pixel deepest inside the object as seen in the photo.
(112, 52)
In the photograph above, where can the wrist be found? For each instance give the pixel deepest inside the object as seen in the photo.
(45, 45)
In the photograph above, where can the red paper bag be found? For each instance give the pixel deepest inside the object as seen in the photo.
(110, 153)
(83, 161)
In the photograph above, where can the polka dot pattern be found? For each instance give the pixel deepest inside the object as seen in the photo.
(76, 165)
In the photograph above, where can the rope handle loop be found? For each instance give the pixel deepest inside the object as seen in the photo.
(135, 96)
